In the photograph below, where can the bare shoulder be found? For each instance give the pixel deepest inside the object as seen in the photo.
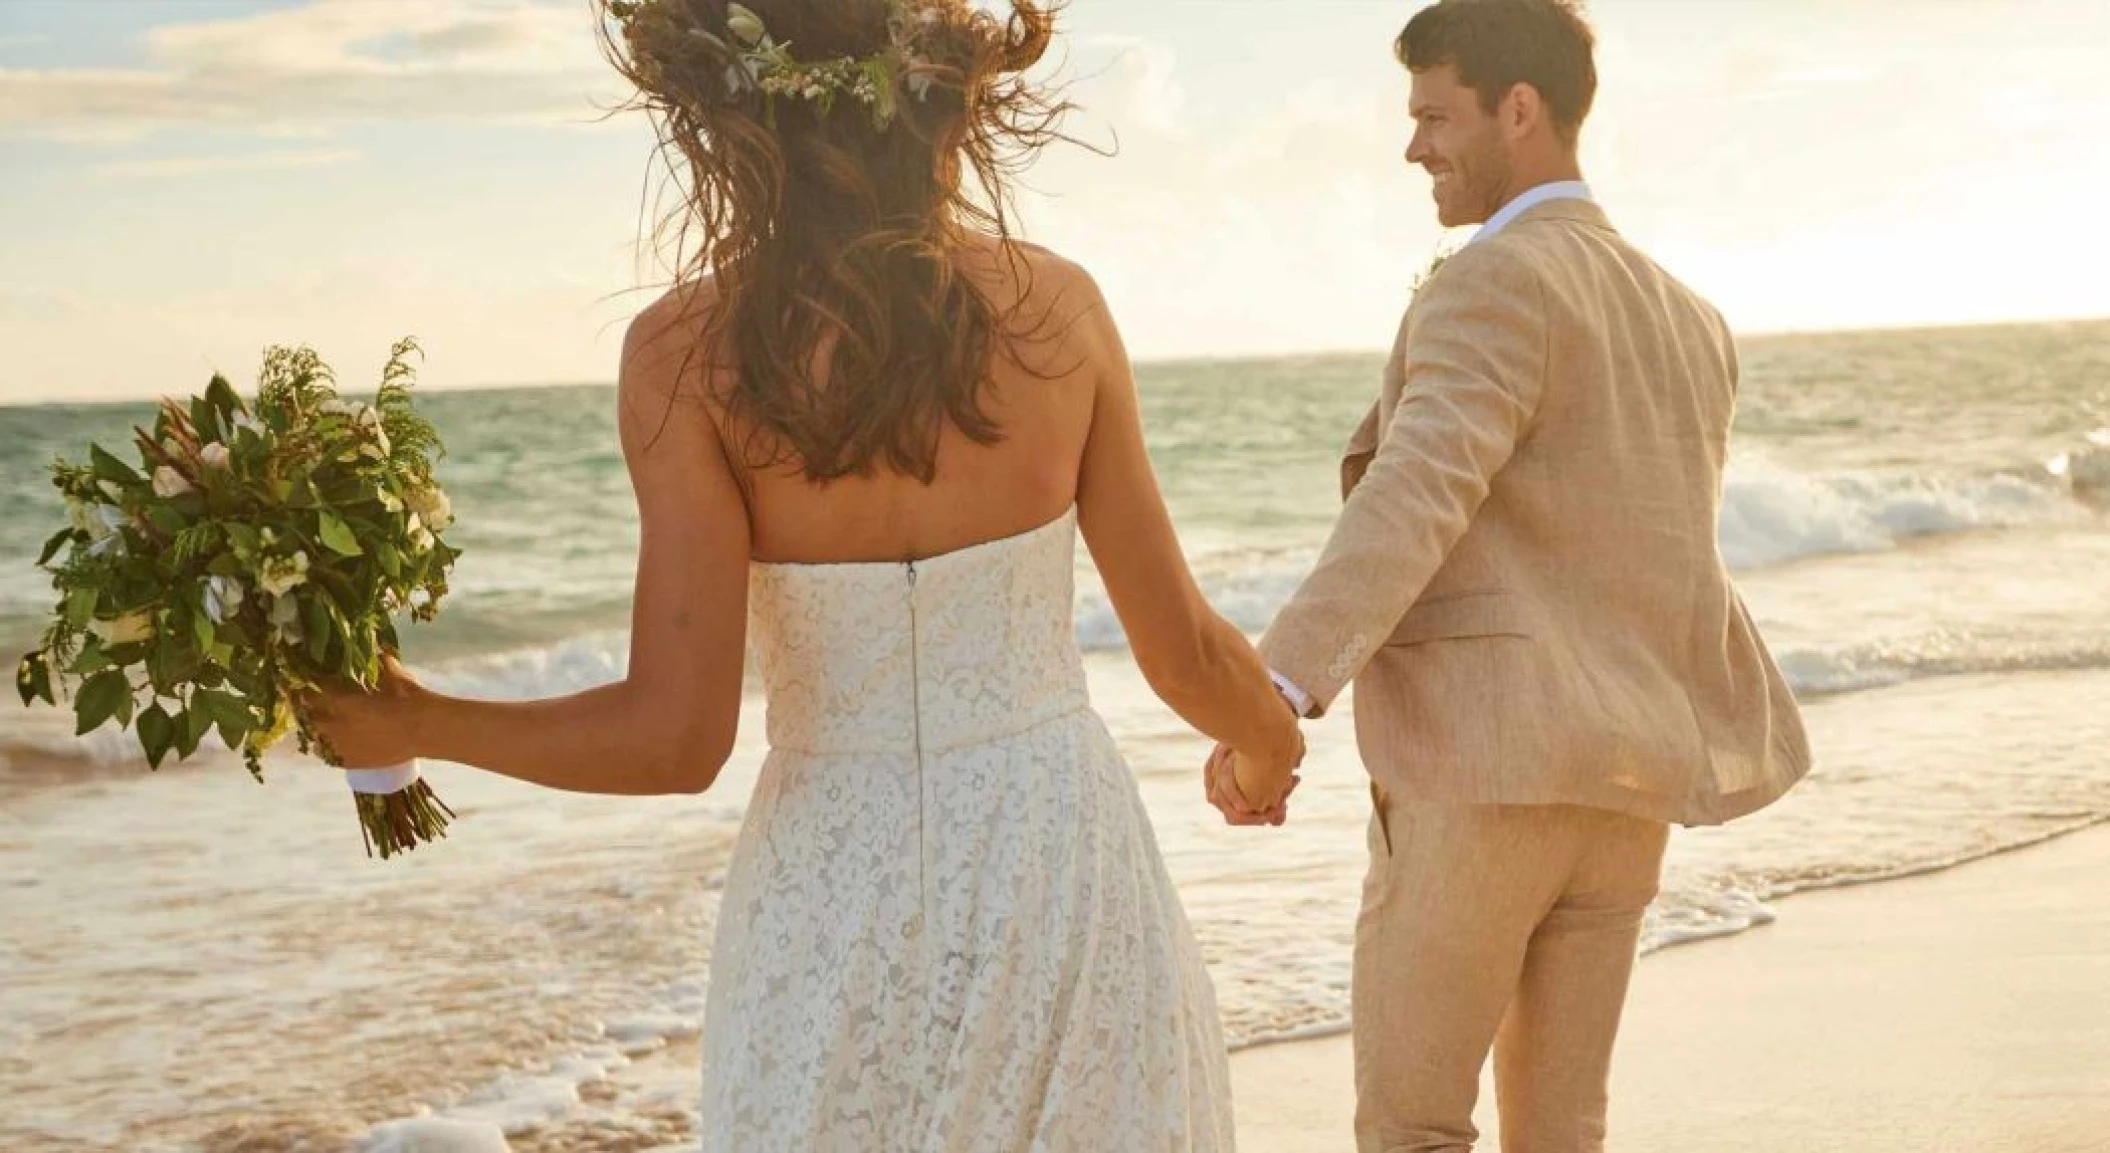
(1040, 288)
(1062, 283)
(662, 363)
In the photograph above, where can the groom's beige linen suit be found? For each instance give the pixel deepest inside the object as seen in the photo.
(1550, 666)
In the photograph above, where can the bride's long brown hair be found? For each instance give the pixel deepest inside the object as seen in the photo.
(851, 337)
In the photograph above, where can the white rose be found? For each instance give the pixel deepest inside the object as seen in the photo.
(127, 629)
(281, 575)
(79, 517)
(215, 456)
(419, 598)
(432, 506)
(103, 522)
(169, 483)
(223, 598)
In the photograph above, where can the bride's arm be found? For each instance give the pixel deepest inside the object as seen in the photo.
(669, 724)
(1197, 662)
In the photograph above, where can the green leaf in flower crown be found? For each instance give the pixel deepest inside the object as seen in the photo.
(157, 733)
(337, 536)
(390, 560)
(100, 698)
(110, 468)
(879, 73)
(52, 546)
(201, 627)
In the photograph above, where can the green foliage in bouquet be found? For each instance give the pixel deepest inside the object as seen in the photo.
(252, 552)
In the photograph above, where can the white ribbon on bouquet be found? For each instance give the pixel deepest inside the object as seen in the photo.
(384, 781)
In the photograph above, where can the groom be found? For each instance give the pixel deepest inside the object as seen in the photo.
(1550, 663)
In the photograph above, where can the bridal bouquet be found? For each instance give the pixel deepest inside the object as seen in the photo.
(255, 550)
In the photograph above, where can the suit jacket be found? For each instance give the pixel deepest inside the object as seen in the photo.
(1525, 584)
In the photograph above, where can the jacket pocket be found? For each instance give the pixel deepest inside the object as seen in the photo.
(1377, 881)
(1482, 614)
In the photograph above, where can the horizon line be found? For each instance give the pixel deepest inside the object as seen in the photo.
(1170, 361)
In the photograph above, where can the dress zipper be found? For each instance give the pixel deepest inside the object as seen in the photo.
(915, 651)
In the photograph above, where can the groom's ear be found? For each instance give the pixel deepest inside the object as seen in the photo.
(1522, 111)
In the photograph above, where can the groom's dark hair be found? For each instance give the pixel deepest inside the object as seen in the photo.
(1497, 44)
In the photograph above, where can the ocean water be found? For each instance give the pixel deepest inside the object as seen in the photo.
(193, 962)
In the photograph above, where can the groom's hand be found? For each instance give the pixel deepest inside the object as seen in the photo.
(1220, 783)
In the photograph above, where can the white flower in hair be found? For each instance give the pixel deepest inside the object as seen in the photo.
(765, 64)
(745, 24)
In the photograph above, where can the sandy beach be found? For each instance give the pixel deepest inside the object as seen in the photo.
(1967, 1010)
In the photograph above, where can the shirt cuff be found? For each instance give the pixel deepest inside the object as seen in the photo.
(1298, 699)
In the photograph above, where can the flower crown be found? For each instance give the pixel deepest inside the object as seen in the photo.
(763, 64)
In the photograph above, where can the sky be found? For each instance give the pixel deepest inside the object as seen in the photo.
(183, 182)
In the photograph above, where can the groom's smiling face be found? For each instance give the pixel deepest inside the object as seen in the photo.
(1460, 145)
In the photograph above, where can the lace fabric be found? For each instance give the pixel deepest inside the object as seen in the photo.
(946, 925)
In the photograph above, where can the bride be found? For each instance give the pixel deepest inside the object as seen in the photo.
(865, 429)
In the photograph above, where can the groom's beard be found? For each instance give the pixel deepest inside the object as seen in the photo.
(1479, 174)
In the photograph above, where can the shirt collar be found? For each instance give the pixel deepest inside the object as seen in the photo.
(1530, 199)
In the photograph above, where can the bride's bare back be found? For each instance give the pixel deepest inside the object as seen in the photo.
(1042, 397)
(1064, 401)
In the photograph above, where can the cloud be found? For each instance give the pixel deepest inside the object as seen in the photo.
(37, 304)
(174, 166)
(329, 63)
(1128, 82)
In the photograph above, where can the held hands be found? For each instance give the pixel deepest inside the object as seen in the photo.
(1248, 790)
(1220, 781)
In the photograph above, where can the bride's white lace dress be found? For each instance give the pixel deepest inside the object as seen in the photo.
(946, 925)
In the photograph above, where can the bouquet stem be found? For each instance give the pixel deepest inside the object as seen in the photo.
(400, 814)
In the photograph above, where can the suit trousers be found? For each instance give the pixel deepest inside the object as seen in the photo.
(1504, 926)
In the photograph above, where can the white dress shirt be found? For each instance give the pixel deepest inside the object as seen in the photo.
(1530, 198)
